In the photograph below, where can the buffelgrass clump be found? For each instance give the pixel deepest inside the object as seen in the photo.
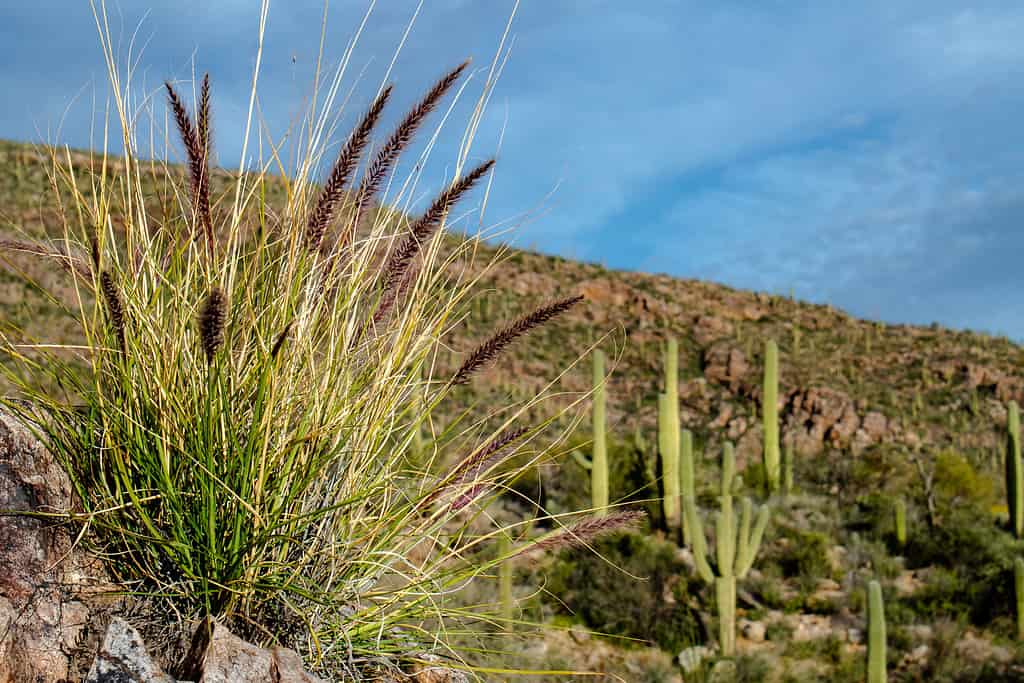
(238, 438)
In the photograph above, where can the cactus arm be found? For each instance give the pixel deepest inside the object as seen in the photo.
(754, 544)
(698, 544)
(687, 480)
(743, 534)
(583, 461)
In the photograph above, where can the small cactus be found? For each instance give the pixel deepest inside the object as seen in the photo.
(770, 413)
(736, 546)
(900, 518)
(1014, 471)
(599, 470)
(876, 634)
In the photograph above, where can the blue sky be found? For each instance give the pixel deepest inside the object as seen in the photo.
(868, 154)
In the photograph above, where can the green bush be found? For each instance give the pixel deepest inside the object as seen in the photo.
(602, 593)
(977, 559)
(803, 555)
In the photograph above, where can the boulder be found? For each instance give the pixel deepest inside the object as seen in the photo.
(123, 658)
(219, 656)
(52, 597)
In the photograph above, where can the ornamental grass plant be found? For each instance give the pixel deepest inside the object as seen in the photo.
(238, 420)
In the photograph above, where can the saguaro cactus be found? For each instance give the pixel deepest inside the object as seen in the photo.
(668, 423)
(1014, 471)
(687, 481)
(900, 518)
(876, 634)
(599, 459)
(770, 412)
(736, 547)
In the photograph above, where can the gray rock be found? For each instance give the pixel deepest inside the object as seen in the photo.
(227, 658)
(692, 658)
(754, 631)
(430, 669)
(123, 658)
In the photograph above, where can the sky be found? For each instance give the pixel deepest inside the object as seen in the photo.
(865, 154)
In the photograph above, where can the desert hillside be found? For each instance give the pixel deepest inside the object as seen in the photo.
(874, 413)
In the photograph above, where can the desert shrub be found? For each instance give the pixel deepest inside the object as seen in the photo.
(803, 554)
(977, 559)
(598, 588)
(957, 483)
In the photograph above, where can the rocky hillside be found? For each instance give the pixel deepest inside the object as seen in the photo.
(876, 413)
(846, 383)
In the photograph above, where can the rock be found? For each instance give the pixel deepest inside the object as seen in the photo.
(579, 634)
(726, 366)
(876, 425)
(811, 627)
(709, 329)
(691, 658)
(223, 657)
(819, 416)
(907, 583)
(51, 597)
(429, 670)
(974, 648)
(754, 631)
(123, 658)
(750, 446)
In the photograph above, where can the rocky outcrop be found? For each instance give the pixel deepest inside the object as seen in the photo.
(52, 597)
(727, 366)
(820, 417)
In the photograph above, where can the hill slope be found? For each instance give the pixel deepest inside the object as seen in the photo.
(870, 408)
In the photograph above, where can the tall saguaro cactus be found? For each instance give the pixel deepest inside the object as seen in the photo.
(876, 634)
(1014, 471)
(668, 433)
(736, 546)
(599, 459)
(770, 412)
